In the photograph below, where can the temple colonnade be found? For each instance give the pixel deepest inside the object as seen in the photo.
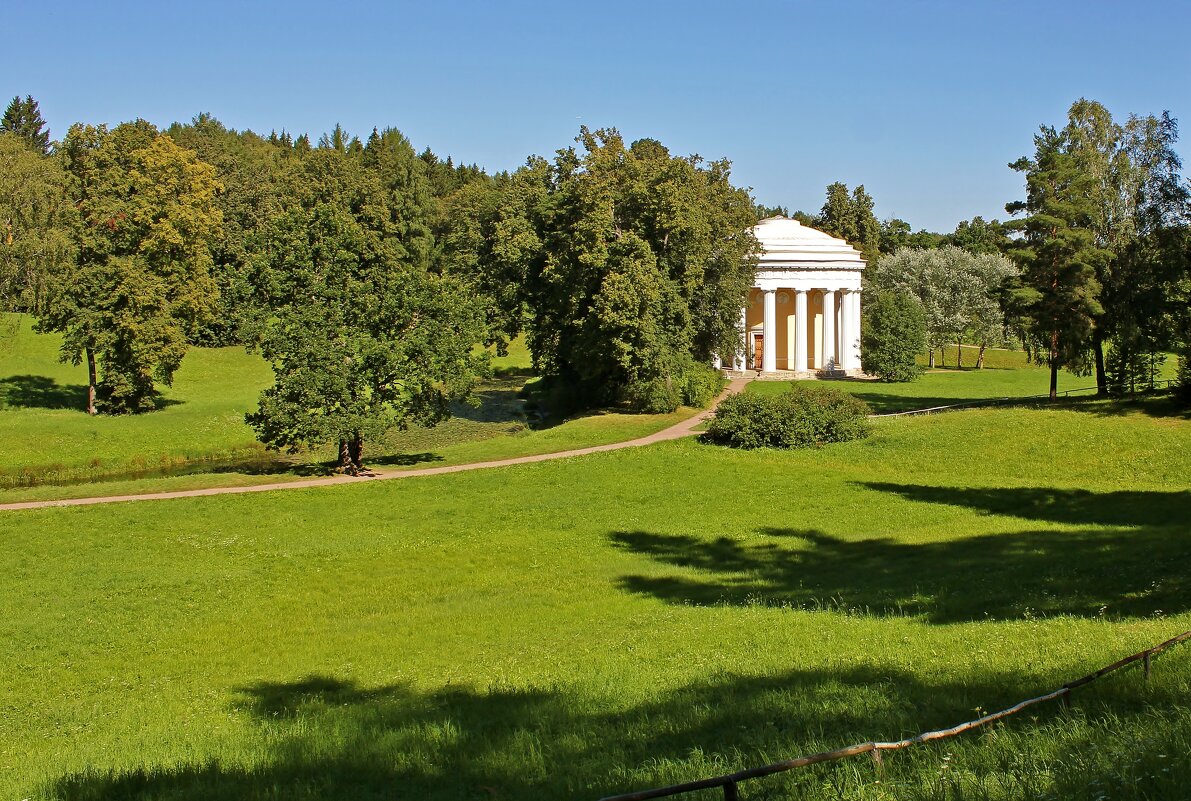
(801, 330)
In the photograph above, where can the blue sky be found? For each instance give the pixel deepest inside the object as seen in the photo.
(923, 102)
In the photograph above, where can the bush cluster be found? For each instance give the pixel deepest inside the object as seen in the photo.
(893, 334)
(800, 418)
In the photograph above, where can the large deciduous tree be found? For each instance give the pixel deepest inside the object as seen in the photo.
(489, 240)
(646, 261)
(36, 225)
(960, 293)
(141, 283)
(361, 336)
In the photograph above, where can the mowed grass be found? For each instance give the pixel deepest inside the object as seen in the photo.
(197, 438)
(608, 623)
(44, 427)
(1006, 374)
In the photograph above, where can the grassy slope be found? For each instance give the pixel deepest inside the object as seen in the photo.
(571, 629)
(199, 439)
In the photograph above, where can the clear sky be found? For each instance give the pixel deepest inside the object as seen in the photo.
(923, 102)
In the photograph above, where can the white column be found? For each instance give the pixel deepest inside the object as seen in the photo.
(800, 331)
(856, 363)
(740, 362)
(845, 329)
(828, 360)
(768, 345)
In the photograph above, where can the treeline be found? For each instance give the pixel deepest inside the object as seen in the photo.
(368, 273)
(1092, 273)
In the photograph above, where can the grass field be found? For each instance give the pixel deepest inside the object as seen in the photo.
(49, 447)
(1005, 374)
(603, 624)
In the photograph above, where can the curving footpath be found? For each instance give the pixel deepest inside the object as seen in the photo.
(686, 428)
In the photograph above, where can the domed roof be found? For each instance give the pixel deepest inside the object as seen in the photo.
(789, 242)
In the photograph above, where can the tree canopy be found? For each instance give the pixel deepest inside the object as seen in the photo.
(1103, 247)
(362, 337)
(141, 283)
(960, 292)
(645, 264)
(37, 223)
(850, 217)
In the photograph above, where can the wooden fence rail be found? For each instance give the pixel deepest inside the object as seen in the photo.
(730, 780)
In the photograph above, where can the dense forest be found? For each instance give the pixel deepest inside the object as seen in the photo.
(368, 272)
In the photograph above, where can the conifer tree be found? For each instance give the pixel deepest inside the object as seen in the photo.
(1059, 254)
(851, 218)
(23, 118)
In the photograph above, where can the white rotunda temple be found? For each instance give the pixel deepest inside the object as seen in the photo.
(803, 313)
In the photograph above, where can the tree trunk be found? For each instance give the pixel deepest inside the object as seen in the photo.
(356, 452)
(1101, 377)
(959, 353)
(91, 382)
(980, 356)
(1054, 365)
(943, 356)
(345, 458)
(932, 356)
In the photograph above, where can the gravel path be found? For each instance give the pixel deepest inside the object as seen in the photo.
(684, 429)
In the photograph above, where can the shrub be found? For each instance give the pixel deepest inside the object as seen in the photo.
(701, 385)
(894, 332)
(800, 418)
(687, 382)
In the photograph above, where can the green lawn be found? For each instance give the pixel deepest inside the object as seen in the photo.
(44, 427)
(607, 623)
(50, 448)
(1006, 374)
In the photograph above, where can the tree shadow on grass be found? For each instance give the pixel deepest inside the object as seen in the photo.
(1156, 404)
(325, 737)
(1129, 561)
(41, 392)
(404, 459)
(500, 402)
(884, 403)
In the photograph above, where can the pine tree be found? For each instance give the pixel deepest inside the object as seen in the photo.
(23, 118)
(837, 216)
(850, 217)
(868, 229)
(1060, 257)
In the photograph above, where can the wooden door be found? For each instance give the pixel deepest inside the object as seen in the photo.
(758, 349)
